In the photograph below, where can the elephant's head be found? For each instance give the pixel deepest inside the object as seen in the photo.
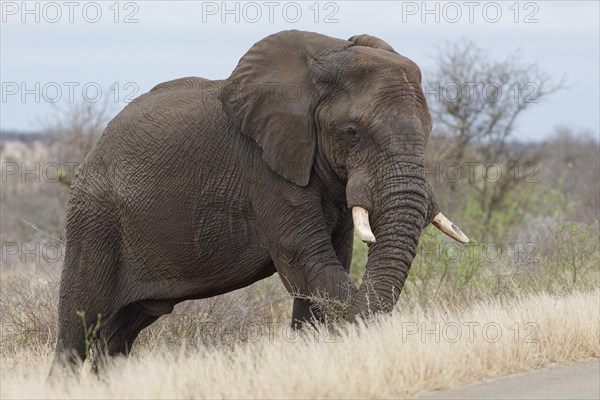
(358, 105)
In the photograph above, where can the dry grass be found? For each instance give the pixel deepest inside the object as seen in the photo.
(393, 357)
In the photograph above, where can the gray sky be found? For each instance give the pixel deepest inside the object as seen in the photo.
(56, 47)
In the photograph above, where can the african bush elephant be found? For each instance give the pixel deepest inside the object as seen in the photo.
(200, 187)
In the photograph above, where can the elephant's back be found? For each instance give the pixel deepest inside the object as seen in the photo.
(162, 142)
(160, 129)
(190, 82)
(167, 110)
(169, 144)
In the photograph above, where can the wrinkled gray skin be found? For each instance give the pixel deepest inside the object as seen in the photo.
(202, 187)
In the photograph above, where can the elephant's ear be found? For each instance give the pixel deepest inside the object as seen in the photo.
(270, 97)
(371, 41)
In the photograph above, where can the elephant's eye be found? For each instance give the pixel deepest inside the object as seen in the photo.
(352, 133)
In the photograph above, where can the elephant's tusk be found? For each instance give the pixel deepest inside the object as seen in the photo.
(360, 217)
(446, 226)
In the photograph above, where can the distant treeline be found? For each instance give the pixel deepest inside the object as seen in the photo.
(25, 137)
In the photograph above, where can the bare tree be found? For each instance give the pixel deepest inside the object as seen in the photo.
(475, 106)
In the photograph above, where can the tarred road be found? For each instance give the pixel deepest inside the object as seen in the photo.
(577, 381)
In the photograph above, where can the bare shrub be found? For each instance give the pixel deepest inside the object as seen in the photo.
(28, 309)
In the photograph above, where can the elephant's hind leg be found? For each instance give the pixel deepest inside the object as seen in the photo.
(70, 349)
(88, 281)
(118, 336)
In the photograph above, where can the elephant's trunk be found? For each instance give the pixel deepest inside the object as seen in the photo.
(399, 213)
(403, 206)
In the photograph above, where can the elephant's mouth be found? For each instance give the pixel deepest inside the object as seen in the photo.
(360, 217)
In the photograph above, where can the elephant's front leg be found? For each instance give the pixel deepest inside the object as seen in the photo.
(306, 311)
(312, 269)
(321, 285)
(292, 224)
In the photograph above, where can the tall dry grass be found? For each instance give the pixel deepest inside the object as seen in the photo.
(403, 354)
